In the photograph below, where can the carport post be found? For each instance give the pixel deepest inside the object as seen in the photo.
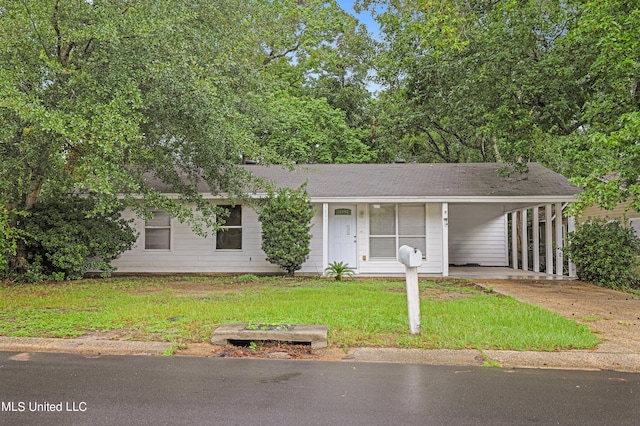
(536, 239)
(559, 245)
(524, 240)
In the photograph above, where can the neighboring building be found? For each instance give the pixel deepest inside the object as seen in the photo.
(455, 214)
(621, 212)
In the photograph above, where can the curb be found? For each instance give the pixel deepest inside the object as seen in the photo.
(82, 346)
(566, 360)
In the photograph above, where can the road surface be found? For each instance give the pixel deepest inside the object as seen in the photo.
(53, 389)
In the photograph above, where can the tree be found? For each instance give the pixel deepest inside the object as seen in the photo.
(99, 95)
(286, 216)
(517, 81)
(317, 58)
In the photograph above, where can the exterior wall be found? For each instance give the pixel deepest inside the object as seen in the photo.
(191, 253)
(478, 235)
(619, 212)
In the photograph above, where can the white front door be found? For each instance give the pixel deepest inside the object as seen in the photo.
(342, 235)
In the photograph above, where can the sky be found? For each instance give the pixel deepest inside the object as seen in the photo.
(364, 17)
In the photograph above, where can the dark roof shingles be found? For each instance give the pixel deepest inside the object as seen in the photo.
(417, 179)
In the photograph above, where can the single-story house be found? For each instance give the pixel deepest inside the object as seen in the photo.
(456, 214)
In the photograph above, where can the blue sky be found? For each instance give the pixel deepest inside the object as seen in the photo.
(364, 17)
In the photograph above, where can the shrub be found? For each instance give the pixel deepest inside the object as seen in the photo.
(339, 270)
(605, 253)
(7, 241)
(286, 216)
(64, 241)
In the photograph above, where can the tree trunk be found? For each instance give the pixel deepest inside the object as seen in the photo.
(19, 261)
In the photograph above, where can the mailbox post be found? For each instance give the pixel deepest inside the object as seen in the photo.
(411, 258)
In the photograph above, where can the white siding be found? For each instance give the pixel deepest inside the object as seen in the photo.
(314, 262)
(192, 253)
(477, 235)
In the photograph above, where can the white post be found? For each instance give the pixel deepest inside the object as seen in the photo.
(413, 299)
(411, 258)
(524, 240)
(514, 239)
(559, 259)
(536, 239)
(548, 237)
(571, 227)
(445, 239)
(325, 236)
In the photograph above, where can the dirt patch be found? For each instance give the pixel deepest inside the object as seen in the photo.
(265, 349)
(196, 288)
(612, 315)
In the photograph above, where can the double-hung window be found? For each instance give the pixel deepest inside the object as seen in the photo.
(229, 237)
(394, 225)
(157, 231)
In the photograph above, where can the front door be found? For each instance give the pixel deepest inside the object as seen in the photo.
(342, 235)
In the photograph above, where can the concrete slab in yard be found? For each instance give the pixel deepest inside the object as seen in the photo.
(316, 335)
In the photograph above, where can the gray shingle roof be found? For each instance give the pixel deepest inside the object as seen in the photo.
(417, 180)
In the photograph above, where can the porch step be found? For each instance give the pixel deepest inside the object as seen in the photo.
(316, 335)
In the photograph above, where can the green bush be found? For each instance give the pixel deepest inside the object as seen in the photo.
(64, 241)
(286, 216)
(7, 241)
(605, 253)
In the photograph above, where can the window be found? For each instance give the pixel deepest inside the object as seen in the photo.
(394, 225)
(157, 231)
(229, 237)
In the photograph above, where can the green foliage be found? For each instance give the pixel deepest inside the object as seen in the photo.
(515, 81)
(286, 216)
(7, 241)
(64, 241)
(605, 253)
(308, 130)
(339, 270)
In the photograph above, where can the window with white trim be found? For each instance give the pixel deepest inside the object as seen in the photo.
(157, 231)
(394, 225)
(229, 237)
(635, 224)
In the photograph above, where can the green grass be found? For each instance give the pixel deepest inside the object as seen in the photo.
(358, 313)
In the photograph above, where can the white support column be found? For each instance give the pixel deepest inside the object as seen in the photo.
(524, 240)
(514, 239)
(536, 239)
(571, 227)
(559, 259)
(548, 239)
(325, 236)
(445, 239)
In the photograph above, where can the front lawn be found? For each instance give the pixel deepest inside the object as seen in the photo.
(358, 312)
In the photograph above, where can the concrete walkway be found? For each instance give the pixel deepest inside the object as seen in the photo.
(615, 316)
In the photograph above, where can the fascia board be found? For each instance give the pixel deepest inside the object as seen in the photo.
(471, 199)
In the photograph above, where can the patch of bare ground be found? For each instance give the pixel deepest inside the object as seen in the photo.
(196, 288)
(614, 316)
(263, 349)
(449, 292)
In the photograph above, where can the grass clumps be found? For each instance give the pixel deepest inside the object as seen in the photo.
(358, 312)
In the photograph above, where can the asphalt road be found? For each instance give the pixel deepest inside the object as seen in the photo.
(109, 390)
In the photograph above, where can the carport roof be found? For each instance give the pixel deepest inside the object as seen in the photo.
(418, 180)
